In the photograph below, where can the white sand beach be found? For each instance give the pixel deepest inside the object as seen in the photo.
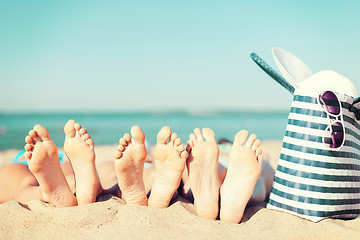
(111, 218)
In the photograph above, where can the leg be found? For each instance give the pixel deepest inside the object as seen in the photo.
(149, 175)
(18, 183)
(68, 171)
(170, 158)
(129, 165)
(107, 174)
(15, 178)
(42, 156)
(242, 174)
(268, 175)
(202, 165)
(79, 148)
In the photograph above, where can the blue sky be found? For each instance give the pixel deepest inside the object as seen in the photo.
(165, 55)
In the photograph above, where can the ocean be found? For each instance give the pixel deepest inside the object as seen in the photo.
(107, 128)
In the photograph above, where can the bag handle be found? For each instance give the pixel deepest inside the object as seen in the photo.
(272, 73)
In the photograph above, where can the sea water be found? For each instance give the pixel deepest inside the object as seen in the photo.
(107, 128)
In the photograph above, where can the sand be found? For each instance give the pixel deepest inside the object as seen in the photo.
(109, 218)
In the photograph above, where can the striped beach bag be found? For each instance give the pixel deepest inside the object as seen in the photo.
(318, 173)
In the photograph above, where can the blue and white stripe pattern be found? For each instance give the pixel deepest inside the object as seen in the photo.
(312, 180)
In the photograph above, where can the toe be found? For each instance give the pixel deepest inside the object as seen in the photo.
(251, 140)
(28, 147)
(42, 132)
(184, 155)
(137, 134)
(241, 137)
(90, 142)
(86, 136)
(193, 138)
(190, 143)
(127, 137)
(34, 137)
(256, 145)
(27, 155)
(29, 140)
(258, 151)
(198, 134)
(120, 148)
(173, 137)
(77, 126)
(177, 142)
(82, 131)
(117, 154)
(181, 148)
(208, 134)
(164, 135)
(69, 129)
(123, 142)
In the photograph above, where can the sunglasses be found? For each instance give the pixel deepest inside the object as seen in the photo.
(334, 136)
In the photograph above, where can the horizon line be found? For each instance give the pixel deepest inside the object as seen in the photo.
(148, 111)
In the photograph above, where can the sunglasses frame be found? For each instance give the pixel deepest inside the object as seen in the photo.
(332, 121)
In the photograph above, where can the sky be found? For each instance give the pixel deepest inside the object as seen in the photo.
(113, 56)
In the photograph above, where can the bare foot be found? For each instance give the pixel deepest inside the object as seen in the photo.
(243, 171)
(43, 160)
(170, 158)
(129, 165)
(79, 148)
(202, 166)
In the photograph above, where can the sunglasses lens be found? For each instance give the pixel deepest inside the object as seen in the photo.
(330, 102)
(334, 135)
